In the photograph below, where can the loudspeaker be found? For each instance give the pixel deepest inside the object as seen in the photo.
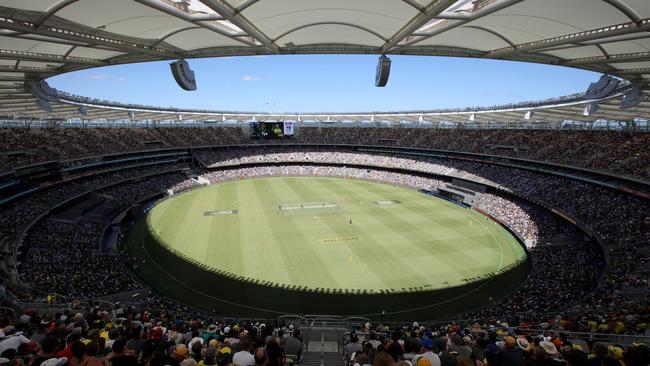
(633, 98)
(383, 71)
(602, 88)
(43, 90)
(44, 105)
(183, 75)
(528, 115)
(590, 109)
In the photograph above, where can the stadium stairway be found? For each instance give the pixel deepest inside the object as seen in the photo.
(326, 356)
(322, 348)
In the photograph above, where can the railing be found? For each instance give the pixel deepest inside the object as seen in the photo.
(622, 339)
(7, 311)
(600, 125)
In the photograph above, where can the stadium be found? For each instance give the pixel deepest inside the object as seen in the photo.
(508, 234)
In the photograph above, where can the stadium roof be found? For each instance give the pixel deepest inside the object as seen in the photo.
(41, 38)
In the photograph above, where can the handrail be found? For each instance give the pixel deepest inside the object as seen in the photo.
(623, 339)
(10, 310)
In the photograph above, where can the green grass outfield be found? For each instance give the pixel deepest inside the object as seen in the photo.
(420, 242)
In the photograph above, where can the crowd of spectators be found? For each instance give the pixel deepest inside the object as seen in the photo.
(67, 259)
(134, 336)
(401, 179)
(16, 217)
(615, 152)
(137, 336)
(518, 215)
(63, 257)
(476, 345)
(612, 151)
(234, 156)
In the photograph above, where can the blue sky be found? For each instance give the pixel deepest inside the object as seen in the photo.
(304, 83)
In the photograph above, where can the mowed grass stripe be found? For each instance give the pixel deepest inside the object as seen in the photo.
(255, 224)
(421, 241)
(259, 224)
(404, 237)
(348, 259)
(455, 242)
(378, 253)
(298, 257)
(457, 223)
(182, 211)
(454, 226)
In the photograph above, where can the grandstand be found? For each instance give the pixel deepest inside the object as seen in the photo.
(95, 267)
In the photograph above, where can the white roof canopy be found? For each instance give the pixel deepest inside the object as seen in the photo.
(41, 38)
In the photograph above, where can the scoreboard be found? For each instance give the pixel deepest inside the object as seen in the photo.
(271, 130)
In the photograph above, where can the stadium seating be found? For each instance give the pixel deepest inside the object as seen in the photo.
(610, 151)
(56, 232)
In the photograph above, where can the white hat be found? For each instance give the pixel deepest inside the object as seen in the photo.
(55, 362)
(548, 347)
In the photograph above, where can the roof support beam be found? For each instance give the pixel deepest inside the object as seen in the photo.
(625, 9)
(12, 86)
(588, 35)
(37, 37)
(198, 20)
(52, 10)
(245, 5)
(26, 69)
(232, 14)
(20, 108)
(17, 104)
(108, 40)
(624, 57)
(414, 4)
(46, 57)
(13, 78)
(486, 10)
(423, 17)
(639, 71)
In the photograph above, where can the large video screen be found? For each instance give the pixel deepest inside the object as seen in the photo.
(271, 130)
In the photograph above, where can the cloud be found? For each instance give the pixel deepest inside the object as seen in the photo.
(96, 77)
(250, 78)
